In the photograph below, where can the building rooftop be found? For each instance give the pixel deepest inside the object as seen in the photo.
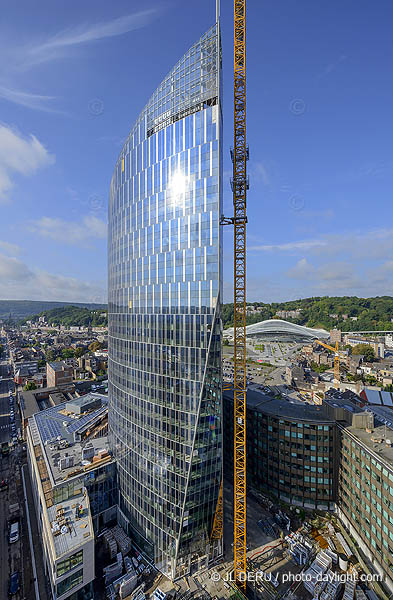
(62, 436)
(375, 441)
(70, 523)
(264, 402)
(59, 365)
(377, 396)
(33, 401)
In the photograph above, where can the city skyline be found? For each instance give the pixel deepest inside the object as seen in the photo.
(327, 236)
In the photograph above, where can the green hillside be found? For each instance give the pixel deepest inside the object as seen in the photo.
(21, 309)
(72, 316)
(368, 313)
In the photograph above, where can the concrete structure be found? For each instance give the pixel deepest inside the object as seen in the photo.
(58, 373)
(276, 329)
(74, 490)
(164, 341)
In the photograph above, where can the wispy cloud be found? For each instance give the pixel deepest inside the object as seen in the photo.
(19, 155)
(289, 246)
(11, 249)
(60, 45)
(56, 46)
(78, 233)
(34, 101)
(16, 277)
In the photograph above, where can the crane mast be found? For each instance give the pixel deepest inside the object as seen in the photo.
(239, 188)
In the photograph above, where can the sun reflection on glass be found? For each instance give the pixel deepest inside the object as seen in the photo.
(178, 185)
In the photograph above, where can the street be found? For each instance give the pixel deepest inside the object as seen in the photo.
(15, 557)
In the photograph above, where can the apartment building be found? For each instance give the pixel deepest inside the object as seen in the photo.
(58, 373)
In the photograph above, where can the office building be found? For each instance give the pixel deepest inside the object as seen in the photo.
(164, 326)
(74, 490)
(291, 449)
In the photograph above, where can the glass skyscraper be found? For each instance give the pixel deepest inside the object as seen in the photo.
(164, 315)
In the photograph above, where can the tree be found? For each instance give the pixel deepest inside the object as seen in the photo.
(50, 356)
(78, 352)
(366, 350)
(67, 353)
(30, 385)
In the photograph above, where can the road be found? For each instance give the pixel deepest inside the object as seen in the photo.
(13, 557)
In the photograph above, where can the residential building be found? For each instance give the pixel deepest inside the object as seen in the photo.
(164, 325)
(377, 345)
(288, 314)
(335, 336)
(74, 490)
(58, 373)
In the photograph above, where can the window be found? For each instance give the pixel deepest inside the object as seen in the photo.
(69, 563)
(69, 582)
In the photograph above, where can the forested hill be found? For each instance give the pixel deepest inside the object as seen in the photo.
(353, 314)
(72, 316)
(21, 309)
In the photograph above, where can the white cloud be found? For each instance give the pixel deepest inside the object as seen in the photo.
(10, 249)
(18, 57)
(289, 246)
(373, 244)
(57, 45)
(70, 232)
(27, 99)
(302, 270)
(19, 282)
(21, 156)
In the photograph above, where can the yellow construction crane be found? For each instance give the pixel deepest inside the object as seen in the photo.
(337, 358)
(239, 187)
(239, 155)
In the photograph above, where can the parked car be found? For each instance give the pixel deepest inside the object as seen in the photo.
(14, 532)
(14, 585)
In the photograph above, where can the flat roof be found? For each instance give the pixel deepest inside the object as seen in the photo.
(260, 401)
(30, 403)
(53, 456)
(59, 365)
(56, 424)
(368, 439)
(77, 528)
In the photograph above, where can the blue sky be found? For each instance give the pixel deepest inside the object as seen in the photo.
(74, 79)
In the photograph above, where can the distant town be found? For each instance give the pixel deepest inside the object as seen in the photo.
(333, 390)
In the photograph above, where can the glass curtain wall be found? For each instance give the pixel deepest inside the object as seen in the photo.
(164, 314)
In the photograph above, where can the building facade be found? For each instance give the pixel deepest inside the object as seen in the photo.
(58, 373)
(365, 494)
(291, 450)
(164, 325)
(73, 481)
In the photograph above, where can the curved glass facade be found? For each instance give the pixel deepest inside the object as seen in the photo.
(164, 315)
